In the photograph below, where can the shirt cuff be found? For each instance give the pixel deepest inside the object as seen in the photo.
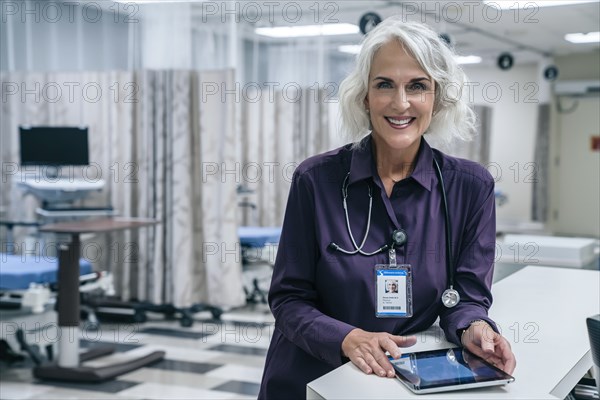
(453, 330)
(330, 347)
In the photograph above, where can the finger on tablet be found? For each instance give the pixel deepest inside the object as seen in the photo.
(404, 341)
(389, 345)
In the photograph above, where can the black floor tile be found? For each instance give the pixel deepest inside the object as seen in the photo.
(119, 347)
(184, 366)
(238, 323)
(229, 348)
(113, 386)
(175, 333)
(245, 388)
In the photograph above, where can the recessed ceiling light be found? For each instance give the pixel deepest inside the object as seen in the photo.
(350, 48)
(510, 4)
(308, 30)
(590, 37)
(468, 59)
(157, 1)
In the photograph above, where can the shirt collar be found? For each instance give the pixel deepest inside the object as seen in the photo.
(362, 165)
(362, 161)
(424, 172)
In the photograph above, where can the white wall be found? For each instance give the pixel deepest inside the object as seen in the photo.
(575, 170)
(166, 36)
(578, 176)
(512, 96)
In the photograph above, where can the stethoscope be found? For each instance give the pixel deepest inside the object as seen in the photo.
(450, 297)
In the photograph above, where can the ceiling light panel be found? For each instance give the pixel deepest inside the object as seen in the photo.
(308, 30)
(590, 37)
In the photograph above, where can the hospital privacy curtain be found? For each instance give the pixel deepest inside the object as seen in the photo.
(152, 137)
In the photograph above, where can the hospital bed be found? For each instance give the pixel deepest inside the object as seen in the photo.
(258, 246)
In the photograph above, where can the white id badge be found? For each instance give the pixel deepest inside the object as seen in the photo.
(393, 290)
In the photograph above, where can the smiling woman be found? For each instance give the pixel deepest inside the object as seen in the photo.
(330, 304)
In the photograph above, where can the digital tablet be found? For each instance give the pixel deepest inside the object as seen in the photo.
(445, 370)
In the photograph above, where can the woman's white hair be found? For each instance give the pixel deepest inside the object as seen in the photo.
(452, 119)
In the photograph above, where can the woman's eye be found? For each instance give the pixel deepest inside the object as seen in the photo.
(417, 87)
(383, 85)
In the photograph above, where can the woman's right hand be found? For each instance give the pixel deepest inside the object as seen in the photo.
(367, 350)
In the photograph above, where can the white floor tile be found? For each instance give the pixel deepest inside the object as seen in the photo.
(18, 390)
(240, 359)
(73, 394)
(238, 373)
(176, 378)
(162, 391)
(238, 335)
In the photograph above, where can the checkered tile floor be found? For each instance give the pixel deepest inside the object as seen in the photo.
(210, 360)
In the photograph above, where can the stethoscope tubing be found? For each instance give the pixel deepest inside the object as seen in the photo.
(358, 249)
(449, 259)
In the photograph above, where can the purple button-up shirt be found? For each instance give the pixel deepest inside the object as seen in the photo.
(319, 295)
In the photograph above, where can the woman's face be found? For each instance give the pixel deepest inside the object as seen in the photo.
(400, 98)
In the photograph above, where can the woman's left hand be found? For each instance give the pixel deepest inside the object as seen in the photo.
(481, 340)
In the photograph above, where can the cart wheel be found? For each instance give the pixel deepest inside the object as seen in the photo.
(139, 316)
(216, 313)
(186, 321)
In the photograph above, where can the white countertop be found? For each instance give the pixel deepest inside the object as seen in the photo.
(540, 310)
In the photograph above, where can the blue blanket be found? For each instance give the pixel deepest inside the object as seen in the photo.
(18, 271)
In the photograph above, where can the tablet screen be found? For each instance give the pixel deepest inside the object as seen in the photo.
(451, 368)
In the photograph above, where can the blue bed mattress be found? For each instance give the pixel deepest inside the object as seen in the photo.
(258, 236)
(17, 272)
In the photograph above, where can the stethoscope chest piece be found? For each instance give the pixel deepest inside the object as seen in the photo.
(450, 297)
(399, 237)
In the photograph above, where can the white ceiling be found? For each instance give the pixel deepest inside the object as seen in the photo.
(530, 34)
